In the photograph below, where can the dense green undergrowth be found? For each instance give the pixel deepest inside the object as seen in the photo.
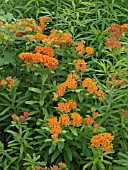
(63, 85)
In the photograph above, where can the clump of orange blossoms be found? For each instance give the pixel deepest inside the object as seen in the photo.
(124, 27)
(100, 94)
(29, 58)
(80, 64)
(61, 89)
(80, 48)
(89, 50)
(89, 121)
(55, 124)
(9, 82)
(91, 87)
(64, 120)
(55, 167)
(104, 140)
(77, 119)
(71, 82)
(124, 113)
(66, 107)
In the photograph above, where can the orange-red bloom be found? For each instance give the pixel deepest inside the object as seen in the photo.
(80, 48)
(88, 121)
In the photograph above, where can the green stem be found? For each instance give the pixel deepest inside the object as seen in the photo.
(108, 108)
(87, 165)
(42, 94)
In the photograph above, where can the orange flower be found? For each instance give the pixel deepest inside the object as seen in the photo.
(48, 51)
(124, 113)
(22, 118)
(10, 81)
(56, 129)
(52, 122)
(62, 165)
(39, 36)
(14, 116)
(66, 37)
(66, 107)
(55, 167)
(88, 121)
(91, 87)
(104, 140)
(61, 89)
(77, 119)
(89, 50)
(64, 120)
(38, 49)
(73, 75)
(71, 83)
(3, 82)
(96, 125)
(80, 48)
(100, 94)
(55, 124)
(80, 65)
(51, 63)
(95, 114)
(124, 27)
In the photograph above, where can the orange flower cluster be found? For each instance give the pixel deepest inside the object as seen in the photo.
(45, 50)
(43, 21)
(124, 113)
(91, 87)
(89, 50)
(61, 89)
(124, 27)
(100, 94)
(29, 58)
(96, 126)
(116, 82)
(55, 124)
(73, 75)
(62, 165)
(64, 120)
(59, 38)
(22, 117)
(80, 64)
(66, 107)
(80, 48)
(9, 82)
(55, 167)
(89, 121)
(77, 119)
(38, 36)
(70, 83)
(104, 140)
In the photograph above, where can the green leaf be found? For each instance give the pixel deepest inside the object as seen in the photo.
(55, 155)
(69, 152)
(36, 90)
(73, 130)
(9, 16)
(31, 102)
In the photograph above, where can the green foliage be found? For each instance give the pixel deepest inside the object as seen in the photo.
(29, 141)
